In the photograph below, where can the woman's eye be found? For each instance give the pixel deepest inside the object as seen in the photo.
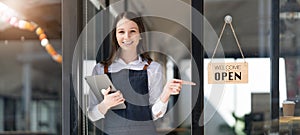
(121, 32)
(133, 31)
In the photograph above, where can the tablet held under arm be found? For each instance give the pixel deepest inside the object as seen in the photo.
(99, 82)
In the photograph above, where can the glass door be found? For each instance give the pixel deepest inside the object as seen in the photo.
(242, 108)
(168, 38)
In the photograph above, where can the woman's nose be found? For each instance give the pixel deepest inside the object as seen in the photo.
(127, 35)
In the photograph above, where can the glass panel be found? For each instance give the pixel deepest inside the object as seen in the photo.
(289, 50)
(168, 39)
(30, 78)
(239, 108)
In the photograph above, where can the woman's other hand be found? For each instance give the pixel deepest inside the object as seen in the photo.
(173, 87)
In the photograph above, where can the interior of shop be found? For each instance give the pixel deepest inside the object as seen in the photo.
(42, 90)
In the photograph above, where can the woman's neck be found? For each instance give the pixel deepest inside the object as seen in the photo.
(128, 56)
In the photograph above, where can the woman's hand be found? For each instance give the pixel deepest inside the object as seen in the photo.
(110, 100)
(173, 87)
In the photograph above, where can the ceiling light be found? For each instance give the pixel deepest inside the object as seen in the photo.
(10, 16)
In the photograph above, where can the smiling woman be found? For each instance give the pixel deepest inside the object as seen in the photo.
(127, 51)
(138, 80)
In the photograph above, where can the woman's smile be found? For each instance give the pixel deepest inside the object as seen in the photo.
(128, 43)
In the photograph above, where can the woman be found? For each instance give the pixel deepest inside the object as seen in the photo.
(138, 80)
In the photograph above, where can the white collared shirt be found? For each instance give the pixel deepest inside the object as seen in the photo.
(155, 78)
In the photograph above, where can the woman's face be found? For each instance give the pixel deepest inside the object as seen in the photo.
(127, 34)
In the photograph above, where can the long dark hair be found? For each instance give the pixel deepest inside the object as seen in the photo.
(115, 46)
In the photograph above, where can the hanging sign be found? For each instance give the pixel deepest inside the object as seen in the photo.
(229, 73)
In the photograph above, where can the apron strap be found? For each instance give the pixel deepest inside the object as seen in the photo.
(146, 65)
(105, 69)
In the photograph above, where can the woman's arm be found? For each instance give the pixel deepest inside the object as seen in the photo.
(159, 95)
(97, 110)
(172, 87)
(155, 78)
(93, 112)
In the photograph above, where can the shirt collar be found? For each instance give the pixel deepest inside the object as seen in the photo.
(139, 60)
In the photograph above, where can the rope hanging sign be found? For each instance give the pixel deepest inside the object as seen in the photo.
(227, 72)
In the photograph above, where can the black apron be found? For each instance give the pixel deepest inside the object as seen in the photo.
(136, 119)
